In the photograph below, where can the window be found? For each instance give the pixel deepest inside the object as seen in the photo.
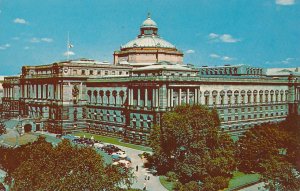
(106, 73)
(249, 116)
(255, 108)
(229, 118)
(260, 108)
(99, 72)
(243, 109)
(120, 72)
(249, 109)
(206, 100)
(83, 72)
(243, 117)
(236, 110)
(229, 110)
(91, 72)
(222, 100)
(236, 118)
(221, 111)
(261, 115)
(75, 72)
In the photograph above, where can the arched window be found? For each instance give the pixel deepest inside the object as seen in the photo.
(276, 95)
(255, 96)
(261, 93)
(101, 93)
(243, 93)
(89, 93)
(214, 94)
(236, 96)
(286, 95)
(267, 96)
(107, 93)
(95, 94)
(222, 94)
(272, 95)
(121, 94)
(114, 94)
(229, 94)
(206, 95)
(249, 96)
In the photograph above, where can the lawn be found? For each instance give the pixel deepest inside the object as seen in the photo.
(164, 181)
(240, 179)
(113, 140)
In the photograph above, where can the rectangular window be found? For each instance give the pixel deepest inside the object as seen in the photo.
(229, 110)
(229, 118)
(83, 72)
(99, 72)
(75, 72)
(106, 73)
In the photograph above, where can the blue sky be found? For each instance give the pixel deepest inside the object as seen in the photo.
(210, 32)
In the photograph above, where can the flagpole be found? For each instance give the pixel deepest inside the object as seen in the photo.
(68, 46)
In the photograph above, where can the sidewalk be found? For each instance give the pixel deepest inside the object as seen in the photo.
(153, 184)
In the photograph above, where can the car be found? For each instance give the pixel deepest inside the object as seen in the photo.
(98, 145)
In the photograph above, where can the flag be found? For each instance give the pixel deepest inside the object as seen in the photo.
(70, 45)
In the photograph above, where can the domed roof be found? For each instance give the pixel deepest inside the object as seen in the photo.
(149, 23)
(148, 41)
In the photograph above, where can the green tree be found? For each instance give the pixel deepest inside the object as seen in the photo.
(190, 143)
(270, 151)
(262, 143)
(66, 167)
(280, 175)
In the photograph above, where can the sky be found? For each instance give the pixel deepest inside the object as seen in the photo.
(262, 33)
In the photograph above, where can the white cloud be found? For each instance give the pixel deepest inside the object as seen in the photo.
(47, 39)
(20, 21)
(285, 2)
(70, 53)
(214, 56)
(190, 51)
(213, 35)
(287, 60)
(35, 40)
(227, 38)
(227, 58)
(4, 47)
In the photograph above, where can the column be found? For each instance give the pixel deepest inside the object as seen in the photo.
(172, 97)
(139, 97)
(129, 96)
(169, 98)
(153, 98)
(196, 97)
(188, 96)
(146, 97)
(179, 97)
(157, 98)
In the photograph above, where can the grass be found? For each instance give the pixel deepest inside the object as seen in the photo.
(164, 181)
(112, 140)
(240, 179)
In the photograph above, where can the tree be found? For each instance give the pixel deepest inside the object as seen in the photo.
(270, 151)
(66, 167)
(190, 143)
(262, 143)
(280, 175)
(2, 128)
